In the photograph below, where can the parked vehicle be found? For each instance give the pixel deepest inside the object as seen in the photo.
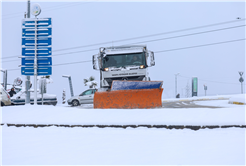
(86, 97)
(19, 98)
(4, 97)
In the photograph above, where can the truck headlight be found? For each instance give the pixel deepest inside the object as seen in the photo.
(142, 66)
(105, 69)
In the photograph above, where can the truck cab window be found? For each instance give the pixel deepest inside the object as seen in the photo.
(122, 60)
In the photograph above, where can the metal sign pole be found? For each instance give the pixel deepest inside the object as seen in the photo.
(42, 90)
(242, 87)
(27, 101)
(241, 80)
(35, 62)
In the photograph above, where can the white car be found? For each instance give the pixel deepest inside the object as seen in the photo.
(20, 97)
(4, 97)
(86, 97)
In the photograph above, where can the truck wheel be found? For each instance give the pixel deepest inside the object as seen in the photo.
(75, 103)
(2, 104)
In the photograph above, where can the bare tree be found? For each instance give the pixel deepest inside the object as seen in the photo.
(187, 90)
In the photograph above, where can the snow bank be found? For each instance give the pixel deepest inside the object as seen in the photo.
(84, 116)
(238, 99)
(216, 103)
(219, 97)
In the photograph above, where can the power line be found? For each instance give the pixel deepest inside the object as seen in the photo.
(156, 52)
(158, 34)
(59, 54)
(72, 63)
(219, 82)
(176, 49)
(58, 64)
(141, 37)
(209, 80)
(144, 36)
(191, 34)
(145, 41)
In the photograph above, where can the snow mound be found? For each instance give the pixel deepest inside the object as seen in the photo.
(238, 99)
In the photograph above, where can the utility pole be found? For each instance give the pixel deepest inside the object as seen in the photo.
(241, 80)
(28, 77)
(176, 84)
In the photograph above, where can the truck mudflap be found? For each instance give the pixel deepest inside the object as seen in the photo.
(130, 94)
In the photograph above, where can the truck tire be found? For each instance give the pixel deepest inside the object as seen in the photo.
(2, 104)
(75, 103)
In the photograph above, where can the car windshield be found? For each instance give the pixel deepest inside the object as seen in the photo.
(122, 60)
(88, 92)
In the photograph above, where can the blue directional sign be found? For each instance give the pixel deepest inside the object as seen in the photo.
(42, 71)
(41, 32)
(41, 41)
(41, 51)
(36, 42)
(41, 61)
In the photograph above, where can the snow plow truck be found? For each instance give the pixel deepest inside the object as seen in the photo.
(124, 78)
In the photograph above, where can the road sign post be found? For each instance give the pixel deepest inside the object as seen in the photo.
(27, 101)
(241, 80)
(205, 89)
(36, 57)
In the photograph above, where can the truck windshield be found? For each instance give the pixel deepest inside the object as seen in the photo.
(122, 60)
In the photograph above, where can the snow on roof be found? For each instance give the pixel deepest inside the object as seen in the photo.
(123, 49)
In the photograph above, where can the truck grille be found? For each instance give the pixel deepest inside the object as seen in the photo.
(132, 78)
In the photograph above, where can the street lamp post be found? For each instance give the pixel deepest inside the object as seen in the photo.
(70, 83)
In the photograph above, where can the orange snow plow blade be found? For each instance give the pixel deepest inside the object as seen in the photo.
(129, 98)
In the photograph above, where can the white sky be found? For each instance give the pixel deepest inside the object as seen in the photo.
(83, 23)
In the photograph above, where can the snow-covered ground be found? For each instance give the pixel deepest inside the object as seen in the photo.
(117, 146)
(220, 97)
(75, 116)
(110, 146)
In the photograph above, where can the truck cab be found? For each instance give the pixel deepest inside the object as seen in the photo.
(123, 63)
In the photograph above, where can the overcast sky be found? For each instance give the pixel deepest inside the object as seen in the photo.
(83, 23)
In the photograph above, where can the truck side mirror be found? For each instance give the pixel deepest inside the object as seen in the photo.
(95, 62)
(152, 59)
